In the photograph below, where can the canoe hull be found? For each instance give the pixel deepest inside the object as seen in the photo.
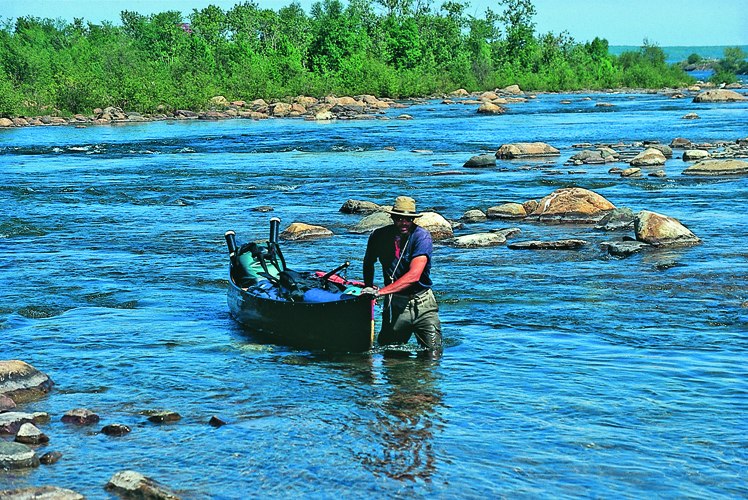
(344, 325)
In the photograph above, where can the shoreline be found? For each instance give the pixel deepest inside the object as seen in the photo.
(361, 107)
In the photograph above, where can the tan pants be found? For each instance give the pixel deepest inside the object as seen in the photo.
(405, 315)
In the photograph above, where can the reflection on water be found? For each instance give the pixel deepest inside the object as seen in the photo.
(406, 419)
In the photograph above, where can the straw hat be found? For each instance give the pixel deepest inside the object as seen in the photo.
(404, 207)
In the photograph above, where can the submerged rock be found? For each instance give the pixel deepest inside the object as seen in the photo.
(133, 485)
(548, 245)
(299, 231)
(624, 248)
(165, 416)
(22, 382)
(572, 205)
(661, 230)
(41, 493)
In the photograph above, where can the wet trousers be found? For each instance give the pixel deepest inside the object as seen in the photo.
(411, 314)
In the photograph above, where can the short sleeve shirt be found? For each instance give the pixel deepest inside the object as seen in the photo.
(396, 259)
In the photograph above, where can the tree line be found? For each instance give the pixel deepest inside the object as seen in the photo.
(388, 48)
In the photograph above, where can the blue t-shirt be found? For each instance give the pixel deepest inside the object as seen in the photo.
(381, 247)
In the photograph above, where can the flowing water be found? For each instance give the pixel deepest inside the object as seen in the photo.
(566, 374)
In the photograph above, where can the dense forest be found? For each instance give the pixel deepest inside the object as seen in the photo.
(388, 48)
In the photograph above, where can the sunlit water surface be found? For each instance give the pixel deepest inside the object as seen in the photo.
(566, 374)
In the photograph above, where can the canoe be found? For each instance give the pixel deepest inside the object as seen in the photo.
(307, 310)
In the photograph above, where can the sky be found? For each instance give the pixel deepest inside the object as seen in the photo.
(622, 22)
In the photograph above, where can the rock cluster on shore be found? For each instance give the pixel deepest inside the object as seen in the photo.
(361, 107)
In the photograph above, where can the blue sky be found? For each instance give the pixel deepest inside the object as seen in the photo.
(621, 22)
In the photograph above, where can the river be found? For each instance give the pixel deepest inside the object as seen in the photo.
(566, 374)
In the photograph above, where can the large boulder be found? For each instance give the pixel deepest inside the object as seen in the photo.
(661, 230)
(298, 231)
(41, 493)
(435, 224)
(133, 485)
(526, 149)
(709, 168)
(650, 157)
(17, 456)
(572, 205)
(22, 382)
(719, 95)
(371, 222)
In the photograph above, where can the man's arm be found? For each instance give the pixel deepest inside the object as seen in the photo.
(412, 276)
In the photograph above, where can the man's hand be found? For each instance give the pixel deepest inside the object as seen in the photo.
(370, 291)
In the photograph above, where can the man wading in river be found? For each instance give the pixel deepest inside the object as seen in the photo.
(404, 251)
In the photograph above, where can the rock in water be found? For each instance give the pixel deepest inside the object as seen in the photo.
(115, 430)
(22, 382)
(708, 168)
(478, 161)
(17, 456)
(371, 222)
(648, 158)
(80, 416)
(133, 485)
(42, 493)
(29, 434)
(661, 230)
(436, 225)
(479, 240)
(359, 207)
(299, 232)
(572, 205)
(719, 95)
(507, 211)
(526, 149)
(473, 216)
(548, 245)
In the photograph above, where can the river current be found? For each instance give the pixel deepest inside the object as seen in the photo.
(566, 374)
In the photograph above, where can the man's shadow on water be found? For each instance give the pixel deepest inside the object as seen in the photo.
(406, 417)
